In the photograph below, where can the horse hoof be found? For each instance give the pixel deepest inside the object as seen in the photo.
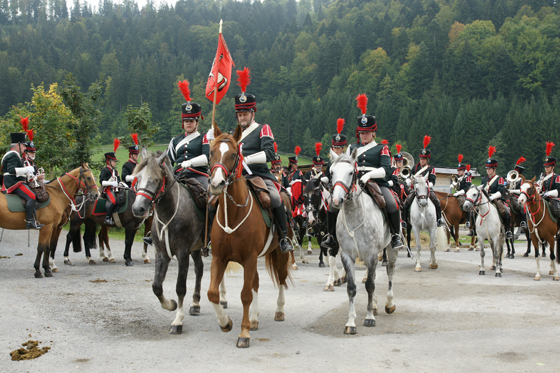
(174, 305)
(48, 274)
(321, 265)
(350, 330)
(112, 260)
(106, 259)
(369, 322)
(364, 280)
(224, 305)
(328, 288)
(498, 275)
(228, 327)
(457, 250)
(294, 267)
(433, 266)
(525, 255)
(38, 274)
(344, 279)
(384, 263)
(337, 282)
(447, 250)
(129, 263)
(92, 262)
(309, 251)
(471, 248)
(254, 325)
(194, 310)
(550, 272)
(305, 261)
(556, 278)
(147, 261)
(279, 316)
(390, 310)
(418, 269)
(243, 342)
(537, 278)
(67, 262)
(482, 273)
(176, 329)
(55, 270)
(375, 310)
(492, 268)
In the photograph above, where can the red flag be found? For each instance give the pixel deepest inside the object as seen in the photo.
(220, 74)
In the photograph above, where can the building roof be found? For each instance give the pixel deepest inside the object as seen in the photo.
(453, 171)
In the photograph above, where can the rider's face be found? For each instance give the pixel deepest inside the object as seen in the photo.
(245, 118)
(337, 149)
(113, 163)
(548, 169)
(366, 137)
(134, 157)
(399, 164)
(189, 125)
(423, 161)
(31, 155)
(460, 173)
(490, 171)
(318, 167)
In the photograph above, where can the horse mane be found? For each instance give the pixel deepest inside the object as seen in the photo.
(150, 161)
(343, 158)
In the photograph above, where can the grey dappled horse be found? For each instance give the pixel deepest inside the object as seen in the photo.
(176, 230)
(423, 218)
(362, 233)
(488, 226)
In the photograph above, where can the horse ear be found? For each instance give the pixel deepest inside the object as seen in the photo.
(354, 154)
(333, 155)
(533, 179)
(162, 158)
(144, 152)
(237, 134)
(479, 187)
(217, 131)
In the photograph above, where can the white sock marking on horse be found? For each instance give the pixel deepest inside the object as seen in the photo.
(281, 299)
(223, 291)
(53, 266)
(332, 270)
(179, 316)
(220, 314)
(254, 309)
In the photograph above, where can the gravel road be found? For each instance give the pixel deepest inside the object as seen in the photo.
(105, 317)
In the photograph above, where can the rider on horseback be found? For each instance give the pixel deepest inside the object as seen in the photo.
(128, 167)
(397, 182)
(465, 182)
(374, 163)
(515, 190)
(110, 179)
(424, 169)
(257, 146)
(318, 162)
(495, 186)
(338, 143)
(550, 184)
(15, 177)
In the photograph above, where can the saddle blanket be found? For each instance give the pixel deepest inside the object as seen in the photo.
(100, 209)
(15, 203)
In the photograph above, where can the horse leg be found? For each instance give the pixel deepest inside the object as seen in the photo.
(254, 309)
(181, 290)
(249, 272)
(384, 258)
(283, 274)
(105, 238)
(457, 243)
(392, 259)
(162, 263)
(408, 230)
(537, 245)
(481, 243)
(418, 267)
(44, 241)
(52, 248)
(293, 259)
(147, 231)
(309, 247)
(348, 264)
(552, 271)
(198, 269)
(529, 240)
(450, 234)
(433, 262)
(508, 255)
(72, 232)
(216, 276)
(370, 288)
(333, 271)
(223, 300)
(497, 251)
(321, 250)
(301, 252)
(128, 241)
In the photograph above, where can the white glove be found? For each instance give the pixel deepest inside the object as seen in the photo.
(551, 193)
(495, 196)
(186, 164)
(324, 179)
(21, 171)
(109, 183)
(546, 194)
(515, 191)
(30, 169)
(210, 134)
(129, 178)
(390, 182)
(459, 193)
(122, 184)
(289, 190)
(259, 157)
(431, 184)
(378, 173)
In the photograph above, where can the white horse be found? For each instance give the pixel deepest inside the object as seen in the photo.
(423, 218)
(488, 226)
(361, 233)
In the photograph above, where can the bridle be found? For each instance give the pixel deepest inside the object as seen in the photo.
(533, 199)
(81, 185)
(478, 202)
(231, 176)
(348, 189)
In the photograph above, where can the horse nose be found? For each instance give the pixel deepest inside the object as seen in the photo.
(217, 183)
(138, 210)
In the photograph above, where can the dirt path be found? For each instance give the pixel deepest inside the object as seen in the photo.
(106, 318)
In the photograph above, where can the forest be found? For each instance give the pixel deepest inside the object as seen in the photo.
(469, 73)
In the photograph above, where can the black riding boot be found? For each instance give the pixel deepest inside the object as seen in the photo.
(395, 227)
(523, 223)
(282, 224)
(507, 223)
(437, 205)
(109, 215)
(330, 241)
(468, 223)
(30, 222)
(211, 215)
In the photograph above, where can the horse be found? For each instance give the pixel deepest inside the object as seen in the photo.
(316, 197)
(176, 230)
(361, 233)
(453, 216)
(541, 224)
(423, 217)
(488, 226)
(516, 219)
(240, 234)
(86, 214)
(61, 191)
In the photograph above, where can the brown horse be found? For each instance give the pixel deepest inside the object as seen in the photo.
(239, 234)
(541, 226)
(453, 216)
(61, 191)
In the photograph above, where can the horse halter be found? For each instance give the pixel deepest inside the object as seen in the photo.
(477, 199)
(348, 189)
(230, 175)
(153, 196)
(531, 198)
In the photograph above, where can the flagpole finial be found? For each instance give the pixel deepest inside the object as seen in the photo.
(221, 22)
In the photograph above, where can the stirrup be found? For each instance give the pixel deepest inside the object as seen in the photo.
(523, 224)
(509, 235)
(396, 242)
(403, 224)
(148, 240)
(285, 245)
(468, 224)
(32, 224)
(439, 222)
(108, 221)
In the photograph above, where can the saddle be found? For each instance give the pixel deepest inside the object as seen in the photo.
(515, 206)
(258, 186)
(375, 192)
(41, 194)
(198, 192)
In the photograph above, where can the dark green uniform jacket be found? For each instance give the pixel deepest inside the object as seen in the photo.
(371, 156)
(183, 148)
(127, 169)
(497, 184)
(256, 138)
(10, 162)
(429, 172)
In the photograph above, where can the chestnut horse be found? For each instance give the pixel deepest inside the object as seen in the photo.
(239, 234)
(61, 191)
(453, 216)
(541, 226)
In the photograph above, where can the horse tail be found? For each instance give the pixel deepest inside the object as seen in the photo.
(558, 250)
(233, 267)
(275, 265)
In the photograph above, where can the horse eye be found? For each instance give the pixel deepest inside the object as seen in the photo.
(211, 153)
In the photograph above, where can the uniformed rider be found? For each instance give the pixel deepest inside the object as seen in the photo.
(495, 186)
(424, 169)
(464, 182)
(338, 143)
(110, 179)
(277, 168)
(128, 166)
(398, 181)
(515, 190)
(318, 163)
(15, 176)
(550, 183)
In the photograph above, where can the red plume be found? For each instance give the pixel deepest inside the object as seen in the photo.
(297, 150)
(184, 88)
(468, 168)
(30, 135)
(362, 102)
(339, 125)
(549, 146)
(135, 138)
(460, 158)
(24, 123)
(399, 147)
(384, 142)
(491, 151)
(275, 148)
(427, 140)
(116, 144)
(244, 78)
(520, 160)
(318, 147)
